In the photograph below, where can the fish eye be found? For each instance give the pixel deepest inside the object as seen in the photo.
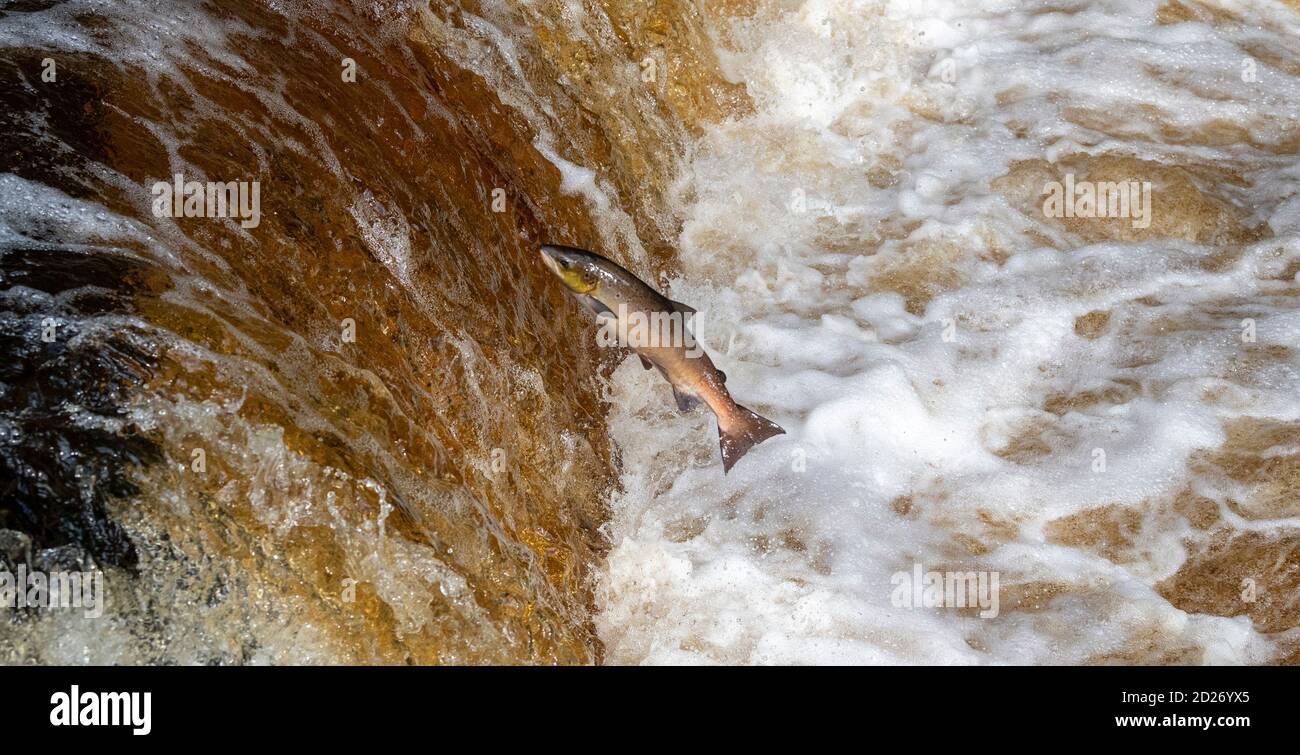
(564, 263)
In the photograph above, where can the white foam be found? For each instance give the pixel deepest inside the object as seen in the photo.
(788, 559)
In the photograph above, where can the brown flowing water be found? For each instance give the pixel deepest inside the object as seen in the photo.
(370, 429)
(379, 384)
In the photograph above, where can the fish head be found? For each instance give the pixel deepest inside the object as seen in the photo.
(579, 270)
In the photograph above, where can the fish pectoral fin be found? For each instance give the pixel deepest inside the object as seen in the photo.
(685, 401)
(594, 306)
(646, 363)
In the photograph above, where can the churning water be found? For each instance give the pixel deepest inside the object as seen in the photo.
(1019, 279)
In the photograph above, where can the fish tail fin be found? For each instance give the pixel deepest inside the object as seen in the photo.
(740, 431)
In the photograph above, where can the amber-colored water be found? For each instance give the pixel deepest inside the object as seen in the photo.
(449, 462)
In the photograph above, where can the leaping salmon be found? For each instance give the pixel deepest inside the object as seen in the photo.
(609, 291)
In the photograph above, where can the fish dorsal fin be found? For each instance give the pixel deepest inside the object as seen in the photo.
(722, 376)
(646, 363)
(685, 309)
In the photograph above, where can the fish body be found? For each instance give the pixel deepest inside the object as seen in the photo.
(661, 338)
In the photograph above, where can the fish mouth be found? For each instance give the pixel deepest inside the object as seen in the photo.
(554, 258)
(548, 254)
(562, 264)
